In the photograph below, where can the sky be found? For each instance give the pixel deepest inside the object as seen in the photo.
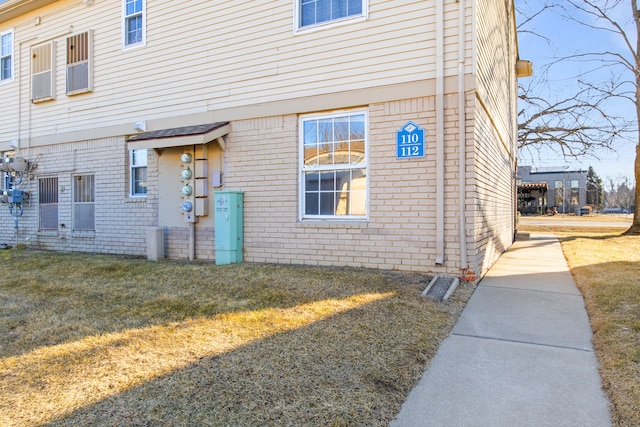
(566, 38)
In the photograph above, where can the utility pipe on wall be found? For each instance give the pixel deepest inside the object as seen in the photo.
(462, 135)
(439, 132)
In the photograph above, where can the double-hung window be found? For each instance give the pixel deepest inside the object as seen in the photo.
(134, 22)
(334, 166)
(6, 55)
(84, 198)
(314, 12)
(138, 175)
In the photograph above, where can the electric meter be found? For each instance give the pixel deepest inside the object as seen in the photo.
(186, 173)
(187, 206)
(185, 158)
(187, 190)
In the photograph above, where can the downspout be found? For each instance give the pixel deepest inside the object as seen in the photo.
(192, 241)
(439, 132)
(462, 135)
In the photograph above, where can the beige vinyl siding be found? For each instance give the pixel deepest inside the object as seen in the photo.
(496, 63)
(495, 133)
(203, 56)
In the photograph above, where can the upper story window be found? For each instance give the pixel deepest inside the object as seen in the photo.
(6, 55)
(313, 12)
(138, 163)
(334, 166)
(134, 22)
(43, 72)
(80, 63)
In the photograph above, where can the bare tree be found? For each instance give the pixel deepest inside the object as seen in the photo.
(601, 16)
(576, 125)
(562, 124)
(619, 194)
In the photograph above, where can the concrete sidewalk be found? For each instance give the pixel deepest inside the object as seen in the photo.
(520, 354)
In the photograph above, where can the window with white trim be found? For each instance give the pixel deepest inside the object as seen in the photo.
(134, 22)
(80, 63)
(333, 177)
(48, 203)
(84, 210)
(6, 55)
(138, 174)
(43, 76)
(313, 12)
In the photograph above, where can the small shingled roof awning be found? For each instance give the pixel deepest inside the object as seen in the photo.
(179, 137)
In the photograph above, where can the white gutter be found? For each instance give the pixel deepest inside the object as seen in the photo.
(462, 135)
(439, 132)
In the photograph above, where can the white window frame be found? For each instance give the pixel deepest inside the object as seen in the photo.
(125, 19)
(303, 216)
(43, 71)
(132, 170)
(298, 27)
(11, 56)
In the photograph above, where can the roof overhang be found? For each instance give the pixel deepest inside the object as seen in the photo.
(540, 186)
(13, 8)
(180, 137)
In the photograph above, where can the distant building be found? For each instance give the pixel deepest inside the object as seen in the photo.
(540, 190)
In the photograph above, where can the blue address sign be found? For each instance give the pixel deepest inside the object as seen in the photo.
(410, 141)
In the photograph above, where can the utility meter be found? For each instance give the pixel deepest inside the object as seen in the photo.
(187, 206)
(186, 173)
(186, 158)
(187, 190)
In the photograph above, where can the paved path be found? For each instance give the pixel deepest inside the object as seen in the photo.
(572, 221)
(520, 354)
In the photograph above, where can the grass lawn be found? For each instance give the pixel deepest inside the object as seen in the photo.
(606, 268)
(105, 340)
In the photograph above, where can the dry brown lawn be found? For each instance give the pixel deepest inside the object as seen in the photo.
(606, 267)
(104, 340)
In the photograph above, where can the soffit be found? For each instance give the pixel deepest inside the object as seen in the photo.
(13, 8)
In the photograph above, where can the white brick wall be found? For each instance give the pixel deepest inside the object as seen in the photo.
(120, 221)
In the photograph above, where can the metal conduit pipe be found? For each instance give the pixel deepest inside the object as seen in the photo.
(439, 132)
(462, 135)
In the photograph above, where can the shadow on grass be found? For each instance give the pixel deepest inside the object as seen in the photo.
(322, 374)
(90, 329)
(53, 298)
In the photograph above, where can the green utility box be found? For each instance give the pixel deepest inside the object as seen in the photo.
(228, 226)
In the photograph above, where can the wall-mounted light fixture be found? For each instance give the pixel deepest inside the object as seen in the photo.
(140, 126)
(524, 68)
